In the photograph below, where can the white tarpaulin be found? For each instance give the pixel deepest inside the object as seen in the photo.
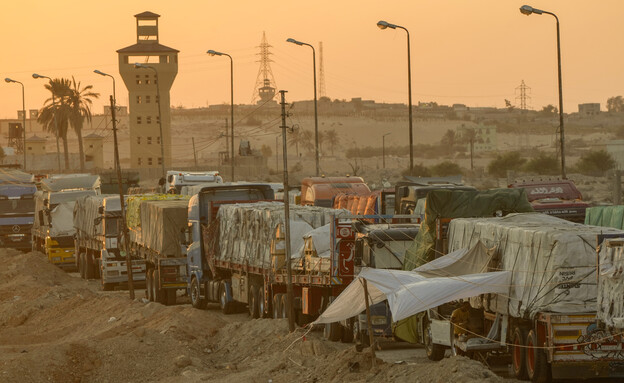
(611, 283)
(411, 292)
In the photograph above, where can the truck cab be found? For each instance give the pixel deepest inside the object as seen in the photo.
(408, 194)
(320, 191)
(17, 214)
(559, 198)
(177, 179)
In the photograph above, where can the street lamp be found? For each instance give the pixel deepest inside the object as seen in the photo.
(162, 141)
(113, 101)
(215, 53)
(316, 133)
(528, 10)
(23, 117)
(383, 149)
(58, 148)
(383, 25)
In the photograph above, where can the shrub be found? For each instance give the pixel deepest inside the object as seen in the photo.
(499, 166)
(446, 168)
(595, 163)
(543, 164)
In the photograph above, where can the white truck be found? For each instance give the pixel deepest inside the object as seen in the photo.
(177, 179)
(546, 322)
(98, 242)
(53, 230)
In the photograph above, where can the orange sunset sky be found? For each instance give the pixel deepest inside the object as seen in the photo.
(474, 52)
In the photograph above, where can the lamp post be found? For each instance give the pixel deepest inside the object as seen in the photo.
(113, 101)
(316, 133)
(58, 149)
(528, 10)
(23, 117)
(383, 149)
(162, 141)
(383, 25)
(215, 53)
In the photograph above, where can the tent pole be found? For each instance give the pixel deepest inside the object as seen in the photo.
(368, 322)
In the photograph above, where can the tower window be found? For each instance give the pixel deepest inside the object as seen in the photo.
(138, 140)
(138, 99)
(149, 160)
(159, 160)
(149, 140)
(148, 119)
(158, 140)
(138, 119)
(147, 99)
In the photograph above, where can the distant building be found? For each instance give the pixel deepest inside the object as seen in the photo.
(589, 109)
(94, 151)
(35, 146)
(485, 138)
(148, 89)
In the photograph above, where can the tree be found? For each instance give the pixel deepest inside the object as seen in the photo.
(543, 164)
(2, 155)
(596, 163)
(333, 139)
(448, 140)
(499, 166)
(307, 139)
(446, 168)
(615, 104)
(266, 151)
(61, 89)
(549, 110)
(80, 101)
(509, 106)
(295, 139)
(470, 136)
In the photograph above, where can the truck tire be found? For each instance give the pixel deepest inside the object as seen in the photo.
(537, 366)
(196, 301)
(252, 302)
(226, 306)
(215, 291)
(157, 292)
(208, 291)
(332, 331)
(518, 353)
(277, 306)
(89, 266)
(434, 351)
(148, 285)
(261, 302)
(170, 297)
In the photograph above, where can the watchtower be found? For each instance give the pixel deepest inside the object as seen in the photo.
(147, 86)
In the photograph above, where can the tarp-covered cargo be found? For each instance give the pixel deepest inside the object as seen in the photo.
(246, 230)
(460, 203)
(611, 283)
(553, 261)
(162, 225)
(86, 212)
(61, 210)
(71, 182)
(133, 205)
(610, 216)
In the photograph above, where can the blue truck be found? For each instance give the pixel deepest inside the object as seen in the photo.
(17, 209)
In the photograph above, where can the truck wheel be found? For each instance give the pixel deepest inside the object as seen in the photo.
(518, 353)
(333, 331)
(226, 306)
(196, 301)
(89, 267)
(537, 366)
(215, 291)
(261, 302)
(170, 297)
(156, 291)
(434, 351)
(252, 304)
(277, 306)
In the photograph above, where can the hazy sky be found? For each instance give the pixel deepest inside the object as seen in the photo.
(463, 51)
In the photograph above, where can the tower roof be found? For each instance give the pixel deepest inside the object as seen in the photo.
(35, 138)
(93, 136)
(146, 14)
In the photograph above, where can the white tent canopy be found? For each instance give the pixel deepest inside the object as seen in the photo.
(411, 292)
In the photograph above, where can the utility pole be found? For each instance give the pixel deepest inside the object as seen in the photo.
(126, 234)
(276, 154)
(289, 287)
(194, 152)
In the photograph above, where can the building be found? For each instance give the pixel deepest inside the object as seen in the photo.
(35, 146)
(94, 151)
(484, 138)
(148, 89)
(589, 109)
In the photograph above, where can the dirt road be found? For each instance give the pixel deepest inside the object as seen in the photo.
(56, 327)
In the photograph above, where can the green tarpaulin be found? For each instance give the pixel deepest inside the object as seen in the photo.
(609, 216)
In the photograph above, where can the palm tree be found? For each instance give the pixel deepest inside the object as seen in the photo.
(307, 139)
(60, 88)
(80, 101)
(295, 138)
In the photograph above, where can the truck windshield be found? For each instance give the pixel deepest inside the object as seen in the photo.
(112, 226)
(17, 206)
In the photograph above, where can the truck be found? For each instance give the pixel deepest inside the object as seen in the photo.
(320, 191)
(17, 209)
(53, 229)
(236, 253)
(546, 322)
(559, 198)
(98, 242)
(177, 179)
(157, 224)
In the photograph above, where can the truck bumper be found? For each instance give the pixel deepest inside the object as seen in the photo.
(62, 257)
(16, 241)
(588, 369)
(117, 272)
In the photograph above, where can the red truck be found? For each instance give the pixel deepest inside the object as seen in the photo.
(559, 198)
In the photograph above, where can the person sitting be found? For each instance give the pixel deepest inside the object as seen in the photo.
(460, 318)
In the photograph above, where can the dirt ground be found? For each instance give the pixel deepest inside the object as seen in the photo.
(57, 327)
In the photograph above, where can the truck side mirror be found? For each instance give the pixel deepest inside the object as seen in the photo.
(46, 202)
(169, 178)
(101, 210)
